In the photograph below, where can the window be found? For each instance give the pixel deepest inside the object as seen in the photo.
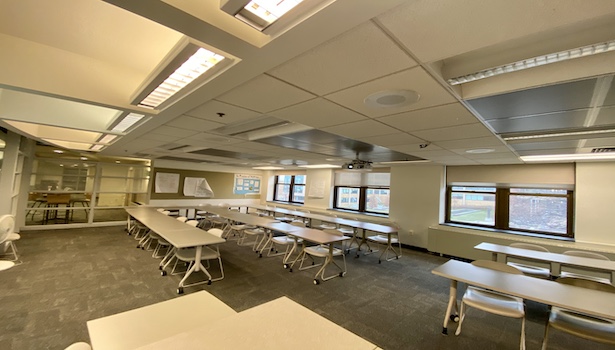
(534, 210)
(289, 188)
(362, 192)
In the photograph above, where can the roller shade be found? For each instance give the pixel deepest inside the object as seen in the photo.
(355, 179)
(558, 175)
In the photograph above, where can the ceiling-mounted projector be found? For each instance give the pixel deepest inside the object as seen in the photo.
(358, 164)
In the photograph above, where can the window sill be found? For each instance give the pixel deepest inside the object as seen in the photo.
(511, 232)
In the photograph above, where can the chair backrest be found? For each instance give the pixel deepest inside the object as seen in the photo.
(298, 223)
(182, 218)
(584, 254)
(7, 225)
(166, 212)
(216, 232)
(587, 283)
(194, 223)
(498, 266)
(530, 247)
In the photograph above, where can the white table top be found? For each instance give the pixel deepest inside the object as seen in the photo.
(177, 233)
(346, 222)
(574, 298)
(568, 260)
(278, 324)
(134, 328)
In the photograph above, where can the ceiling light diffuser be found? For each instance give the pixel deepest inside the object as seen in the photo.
(259, 13)
(127, 122)
(558, 134)
(535, 62)
(569, 157)
(200, 61)
(319, 166)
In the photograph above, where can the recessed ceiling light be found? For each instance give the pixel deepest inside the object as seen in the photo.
(392, 99)
(569, 157)
(480, 150)
(259, 13)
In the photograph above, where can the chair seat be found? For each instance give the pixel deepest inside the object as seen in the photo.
(163, 242)
(346, 230)
(496, 303)
(532, 271)
(187, 254)
(383, 239)
(13, 236)
(322, 251)
(285, 240)
(327, 226)
(257, 231)
(584, 326)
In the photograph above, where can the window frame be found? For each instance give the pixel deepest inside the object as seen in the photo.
(502, 209)
(362, 198)
(291, 189)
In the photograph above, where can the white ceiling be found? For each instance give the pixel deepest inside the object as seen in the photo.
(79, 63)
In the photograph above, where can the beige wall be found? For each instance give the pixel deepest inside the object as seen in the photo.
(595, 203)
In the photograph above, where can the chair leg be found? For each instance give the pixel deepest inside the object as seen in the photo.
(545, 339)
(462, 315)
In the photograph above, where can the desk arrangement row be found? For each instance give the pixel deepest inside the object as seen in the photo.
(176, 239)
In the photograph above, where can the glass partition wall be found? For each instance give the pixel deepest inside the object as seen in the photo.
(65, 191)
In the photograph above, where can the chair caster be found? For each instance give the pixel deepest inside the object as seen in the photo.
(342, 274)
(180, 290)
(163, 273)
(160, 268)
(260, 255)
(379, 261)
(138, 246)
(285, 266)
(454, 318)
(316, 281)
(290, 270)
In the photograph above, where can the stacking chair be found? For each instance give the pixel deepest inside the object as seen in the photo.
(287, 241)
(258, 234)
(322, 251)
(584, 326)
(493, 302)
(7, 224)
(383, 240)
(585, 254)
(531, 270)
(187, 255)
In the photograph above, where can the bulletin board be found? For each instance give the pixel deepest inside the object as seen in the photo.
(247, 184)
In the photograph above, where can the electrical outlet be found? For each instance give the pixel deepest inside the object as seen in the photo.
(411, 232)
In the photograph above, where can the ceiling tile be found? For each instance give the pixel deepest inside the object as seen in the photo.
(434, 30)
(415, 148)
(173, 131)
(431, 118)
(416, 79)
(503, 160)
(364, 128)
(479, 142)
(159, 137)
(318, 113)
(453, 133)
(265, 94)
(343, 61)
(396, 139)
(606, 116)
(232, 114)
(548, 152)
(192, 123)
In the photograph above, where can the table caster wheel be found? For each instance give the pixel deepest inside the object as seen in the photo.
(290, 270)
(180, 290)
(163, 273)
(160, 268)
(342, 274)
(379, 261)
(209, 283)
(138, 247)
(454, 318)
(356, 256)
(260, 255)
(397, 257)
(285, 266)
(316, 281)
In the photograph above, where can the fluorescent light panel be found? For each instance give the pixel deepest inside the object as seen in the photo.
(197, 64)
(569, 133)
(127, 122)
(319, 166)
(262, 13)
(569, 157)
(268, 168)
(535, 62)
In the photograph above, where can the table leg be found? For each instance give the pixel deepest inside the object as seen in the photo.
(363, 241)
(197, 266)
(452, 303)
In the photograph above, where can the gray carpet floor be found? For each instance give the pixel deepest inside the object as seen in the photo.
(71, 276)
